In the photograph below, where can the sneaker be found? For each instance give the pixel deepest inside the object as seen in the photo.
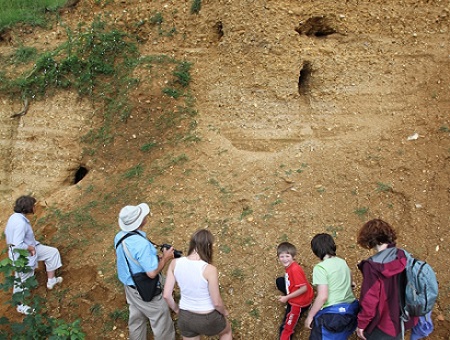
(24, 309)
(54, 282)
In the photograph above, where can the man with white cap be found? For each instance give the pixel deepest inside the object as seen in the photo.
(144, 259)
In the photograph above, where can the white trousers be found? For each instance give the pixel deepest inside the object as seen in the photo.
(50, 256)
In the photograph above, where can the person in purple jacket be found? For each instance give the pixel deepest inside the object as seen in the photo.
(379, 315)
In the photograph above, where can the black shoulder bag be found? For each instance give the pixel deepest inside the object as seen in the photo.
(147, 287)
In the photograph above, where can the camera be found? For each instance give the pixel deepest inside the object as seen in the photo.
(176, 253)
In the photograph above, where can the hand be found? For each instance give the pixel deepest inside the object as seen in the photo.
(168, 253)
(360, 333)
(31, 250)
(308, 322)
(283, 299)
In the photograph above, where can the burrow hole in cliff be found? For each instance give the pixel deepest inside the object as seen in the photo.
(219, 29)
(304, 78)
(80, 174)
(319, 26)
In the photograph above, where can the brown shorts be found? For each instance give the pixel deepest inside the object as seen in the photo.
(193, 324)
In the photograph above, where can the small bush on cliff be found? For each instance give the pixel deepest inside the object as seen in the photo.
(38, 325)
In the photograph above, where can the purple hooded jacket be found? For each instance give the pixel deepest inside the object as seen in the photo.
(379, 300)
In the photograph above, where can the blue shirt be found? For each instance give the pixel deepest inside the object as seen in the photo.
(141, 250)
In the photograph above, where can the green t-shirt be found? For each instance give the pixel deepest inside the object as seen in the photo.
(335, 273)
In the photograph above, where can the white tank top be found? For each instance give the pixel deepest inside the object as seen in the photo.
(193, 286)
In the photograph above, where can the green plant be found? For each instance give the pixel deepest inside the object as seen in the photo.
(334, 230)
(320, 189)
(24, 55)
(120, 314)
(96, 309)
(237, 273)
(149, 146)
(245, 212)
(225, 249)
(255, 313)
(196, 6)
(172, 92)
(361, 212)
(277, 201)
(444, 129)
(135, 171)
(179, 159)
(157, 19)
(182, 74)
(382, 187)
(38, 325)
(29, 12)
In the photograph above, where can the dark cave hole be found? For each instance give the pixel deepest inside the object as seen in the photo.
(219, 29)
(80, 174)
(304, 78)
(318, 27)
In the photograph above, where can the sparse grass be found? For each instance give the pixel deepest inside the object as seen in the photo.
(120, 314)
(183, 158)
(444, 129)
(334, 230)
(182, 74)
(225, 249)
(383, 187)
(255, 313)
(172, 92)
(196, 6)
(320, 189)
(361, 212)
(24, 55)
(283, 238)
(135, 171)
(237, 273)
(98, 62)
(245, 212)
(96, 309)
(277, 201)
(149, 146)
(156, 19)
(34, 12)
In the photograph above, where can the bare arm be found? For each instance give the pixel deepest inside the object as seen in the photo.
(322, 297)
(169, 286)
(300, 291)
(212, 276)
(167, 256)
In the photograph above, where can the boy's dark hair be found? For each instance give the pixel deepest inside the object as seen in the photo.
(24, 204)
(286, 247)
(322, 245)
(375, 232)
(202, 242)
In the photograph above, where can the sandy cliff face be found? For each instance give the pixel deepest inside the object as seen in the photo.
(41, 150)
(313, 116)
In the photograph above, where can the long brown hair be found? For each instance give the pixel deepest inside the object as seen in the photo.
(202, 242)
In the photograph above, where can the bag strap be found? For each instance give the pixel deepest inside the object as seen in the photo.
(125, 249)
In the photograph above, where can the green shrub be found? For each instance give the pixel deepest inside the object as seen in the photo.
(38, 325)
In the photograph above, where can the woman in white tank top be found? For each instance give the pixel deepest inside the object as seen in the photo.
(200, 310)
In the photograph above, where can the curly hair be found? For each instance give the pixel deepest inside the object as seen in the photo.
(24, 204)
(376, 232)
(202, 242)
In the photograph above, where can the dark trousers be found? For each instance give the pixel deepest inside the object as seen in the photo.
(281, 285)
